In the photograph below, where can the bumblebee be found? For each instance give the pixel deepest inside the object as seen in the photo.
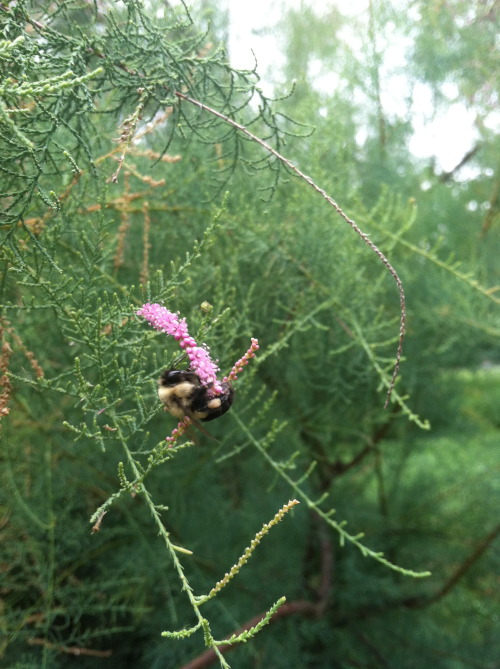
(183, 394)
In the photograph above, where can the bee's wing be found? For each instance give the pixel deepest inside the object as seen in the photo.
(199, 426)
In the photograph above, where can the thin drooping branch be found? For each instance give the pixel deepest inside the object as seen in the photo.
(297, 607)
(338, 209)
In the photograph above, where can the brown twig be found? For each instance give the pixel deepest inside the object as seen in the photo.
(146, 244)
(492, 212)
(465, 566)
(446, 176)
(422, 602)
(69, 650)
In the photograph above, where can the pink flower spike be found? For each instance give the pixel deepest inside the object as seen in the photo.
(163, 319)
(200, 361)
(178, 431)
(238, 367)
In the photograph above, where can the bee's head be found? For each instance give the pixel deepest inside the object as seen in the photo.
(172, 377)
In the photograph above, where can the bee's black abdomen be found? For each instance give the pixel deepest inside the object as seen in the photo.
(183, 394)
(217, 405)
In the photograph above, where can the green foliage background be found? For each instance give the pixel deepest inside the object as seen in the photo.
(117, 191)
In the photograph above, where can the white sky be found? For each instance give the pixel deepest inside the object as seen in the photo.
(448, 136)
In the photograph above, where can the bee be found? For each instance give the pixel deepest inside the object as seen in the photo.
(183, 394)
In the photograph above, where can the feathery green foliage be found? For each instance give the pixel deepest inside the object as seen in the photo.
(138, 166)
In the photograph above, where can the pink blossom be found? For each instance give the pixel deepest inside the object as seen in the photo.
(200, 361)
(233, 374)
(178, 431)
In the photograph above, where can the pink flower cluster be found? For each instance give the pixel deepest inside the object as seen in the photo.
(200, 361)
(233, 374)
(178, 431)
